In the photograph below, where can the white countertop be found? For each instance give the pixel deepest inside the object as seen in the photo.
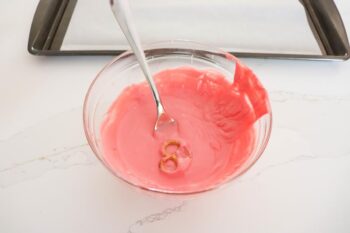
(50, 180)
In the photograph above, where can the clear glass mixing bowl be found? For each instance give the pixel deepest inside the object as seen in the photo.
(124, 71)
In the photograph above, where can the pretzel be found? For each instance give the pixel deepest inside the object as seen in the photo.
(164, 160)
(168, 156)
(168, 143)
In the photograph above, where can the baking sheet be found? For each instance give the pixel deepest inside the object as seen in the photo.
(270, 26)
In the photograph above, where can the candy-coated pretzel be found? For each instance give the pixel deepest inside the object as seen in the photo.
(164, 160)
(167, 156)
(168, 143)
(171, 156)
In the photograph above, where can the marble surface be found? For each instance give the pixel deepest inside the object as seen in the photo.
(50, 180)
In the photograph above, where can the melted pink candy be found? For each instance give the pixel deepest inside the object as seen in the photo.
(214, 121)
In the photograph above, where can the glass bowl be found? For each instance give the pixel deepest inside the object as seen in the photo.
(124, 71)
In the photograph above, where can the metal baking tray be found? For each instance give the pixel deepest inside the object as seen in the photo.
(289, 29)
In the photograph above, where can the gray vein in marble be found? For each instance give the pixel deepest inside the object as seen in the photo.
(34, 168)
(156, 217)
(18, 133)
(291, 161)
(45, 157)
(284, 96)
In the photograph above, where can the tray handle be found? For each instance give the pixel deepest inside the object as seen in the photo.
(329, 25)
